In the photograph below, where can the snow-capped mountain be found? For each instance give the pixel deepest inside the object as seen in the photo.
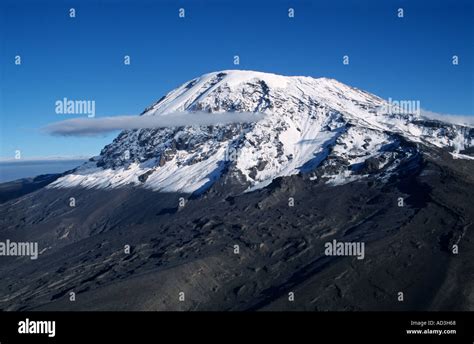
(319, 127)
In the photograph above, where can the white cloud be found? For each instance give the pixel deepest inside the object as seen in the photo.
(454, 119)
(98, 126)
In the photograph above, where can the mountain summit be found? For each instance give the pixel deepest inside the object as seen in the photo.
(321, 128)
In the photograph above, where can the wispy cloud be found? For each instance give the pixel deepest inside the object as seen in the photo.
(104, 125)
(454, 119)
(100, 126)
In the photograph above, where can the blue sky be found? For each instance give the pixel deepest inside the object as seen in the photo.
(82, 57)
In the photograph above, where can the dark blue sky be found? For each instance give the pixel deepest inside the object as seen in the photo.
(82, 58)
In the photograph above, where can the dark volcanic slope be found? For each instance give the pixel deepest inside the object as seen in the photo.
(191, 249)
